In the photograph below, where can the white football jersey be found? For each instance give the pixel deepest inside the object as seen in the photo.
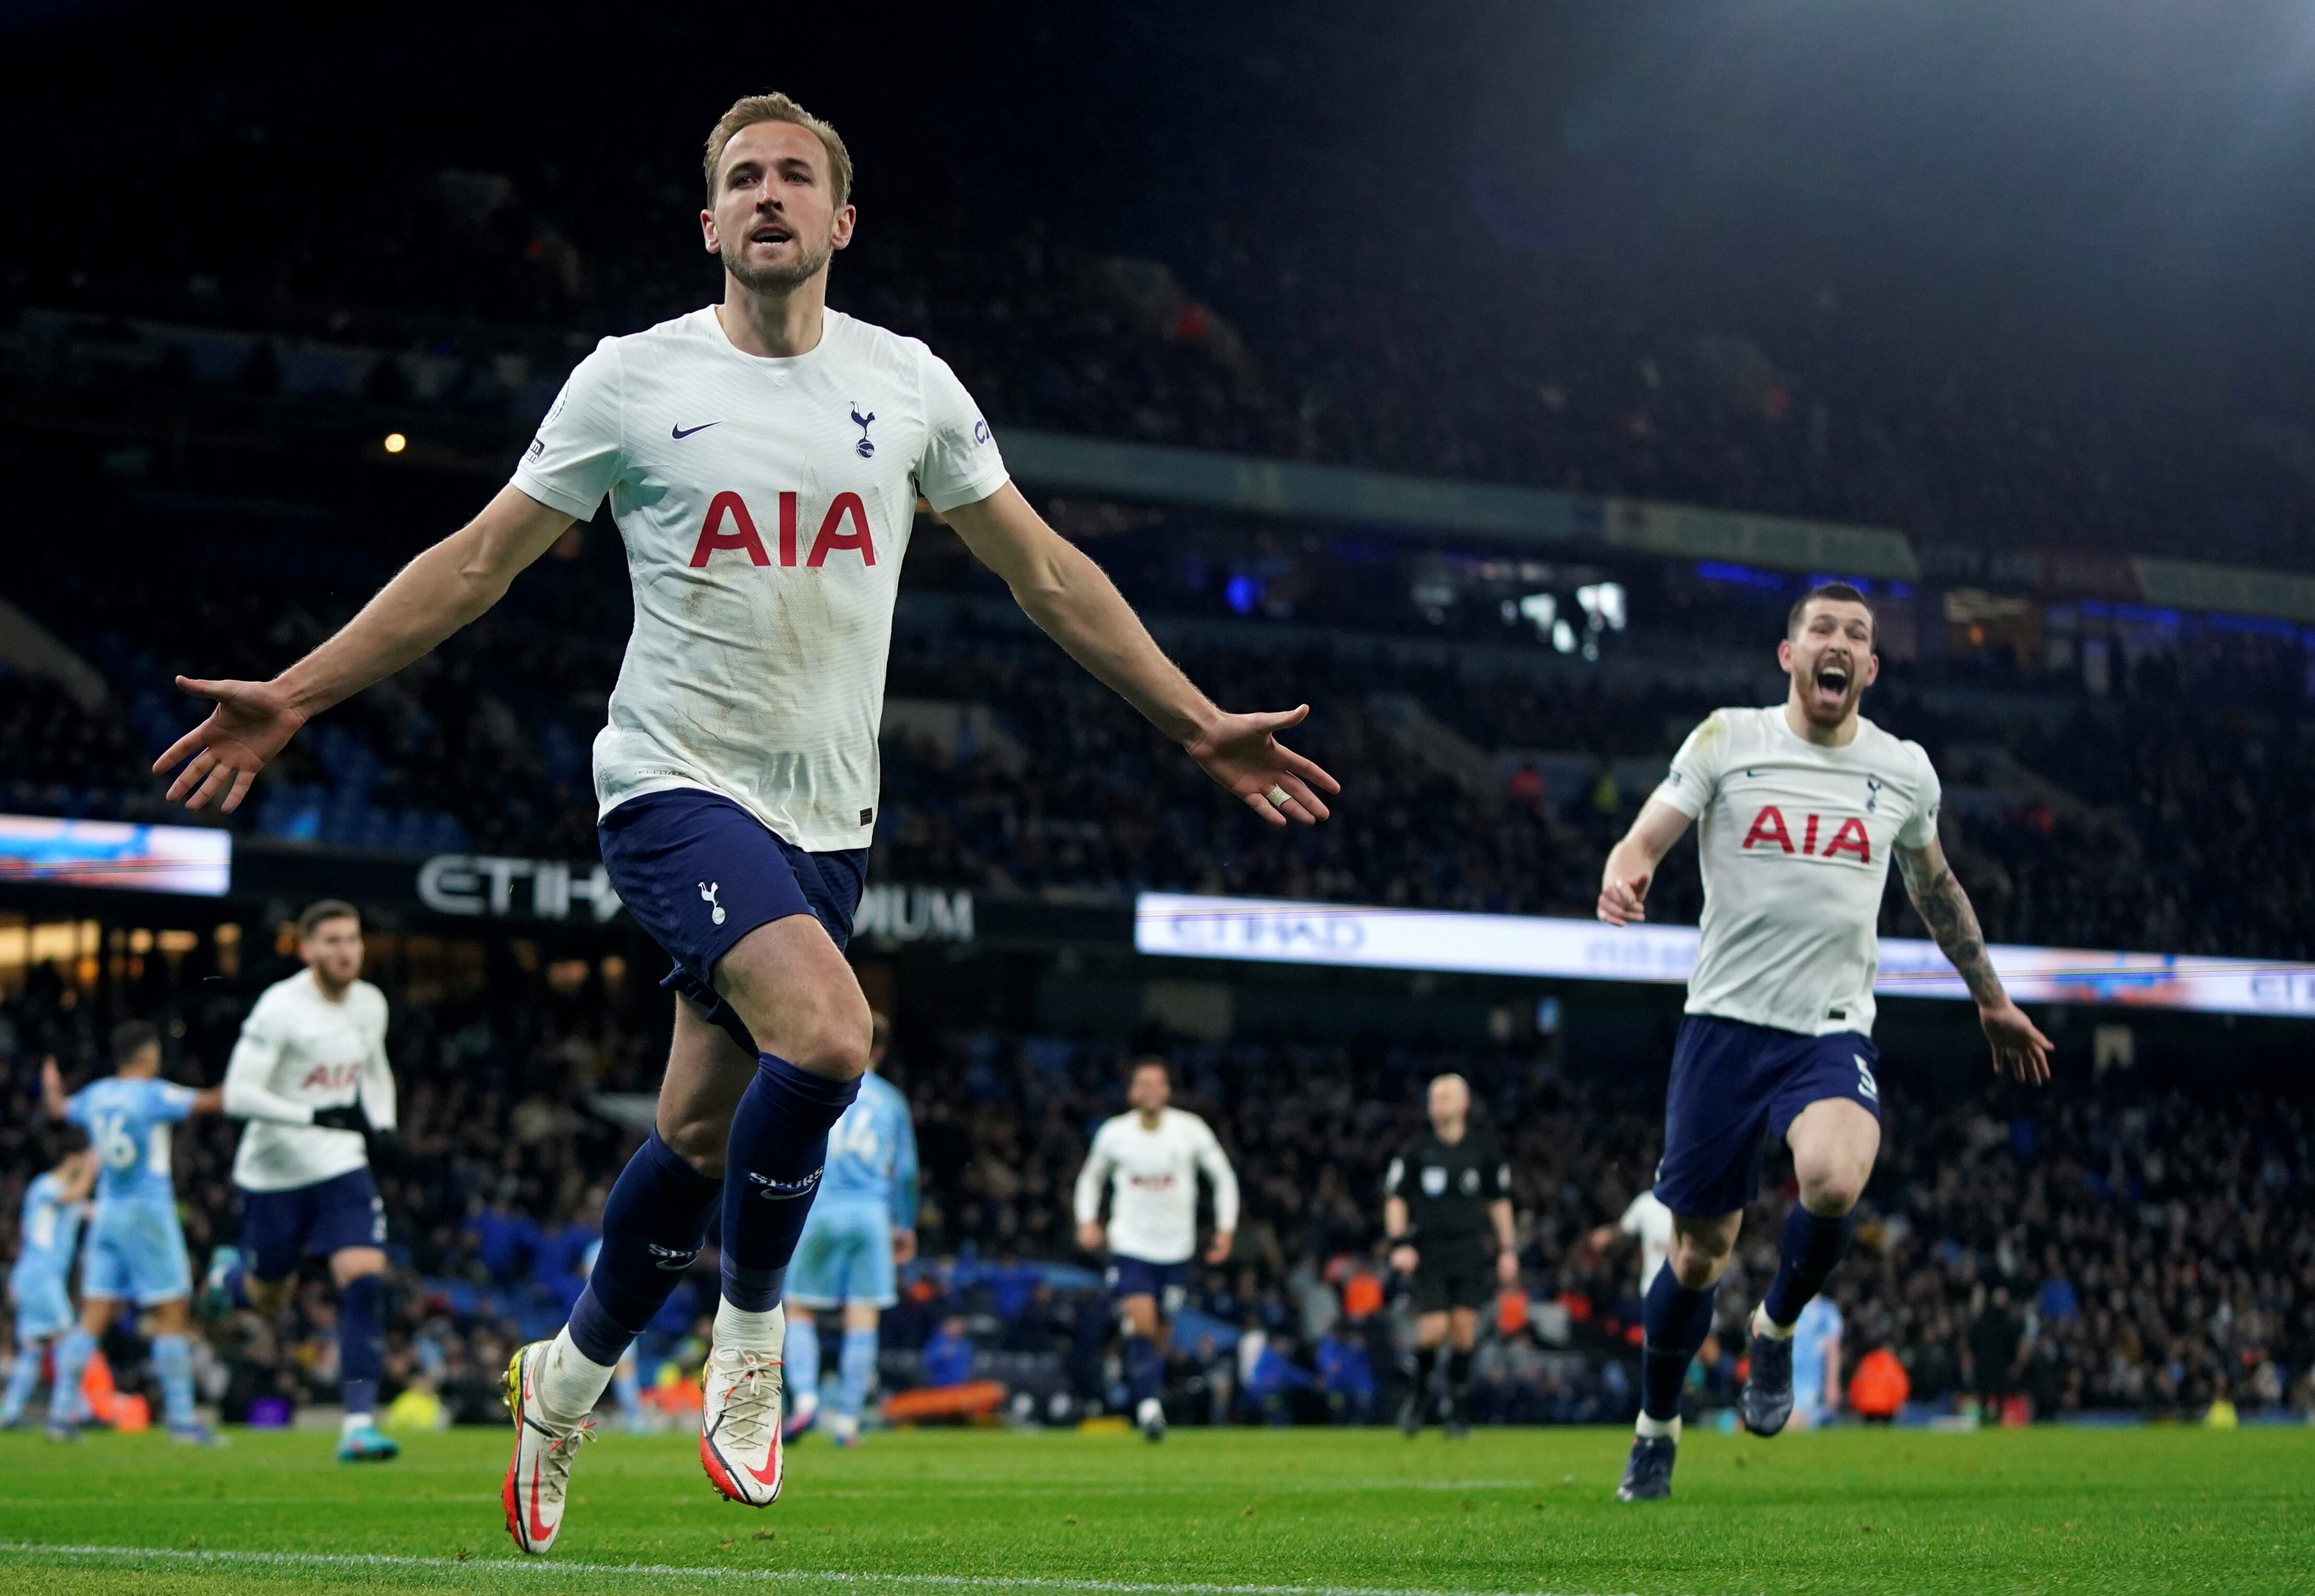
(299, 1051)
(1152, 1178)
(766, 505)
(1795, 840)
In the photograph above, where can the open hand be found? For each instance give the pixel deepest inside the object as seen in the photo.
(2020, 1050)
(251, 724)
(1243, 753)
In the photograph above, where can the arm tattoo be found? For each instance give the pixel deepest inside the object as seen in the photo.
(1946, 910)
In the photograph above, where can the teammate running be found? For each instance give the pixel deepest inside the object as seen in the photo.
(1148, 1158)
(1447, 1213)
(55, 1204)
(1647, 1221)
(763, 457)
(1802, 806)
(135, 1248)
(863, 1224)
(310, 1075)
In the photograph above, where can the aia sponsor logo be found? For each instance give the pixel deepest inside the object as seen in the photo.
(729, 526)
(1770, 831)
(330, 1077)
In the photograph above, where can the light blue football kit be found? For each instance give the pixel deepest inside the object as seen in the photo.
(136, 1247)
(867, 1190)
(48, 1232)
(1819, 1322)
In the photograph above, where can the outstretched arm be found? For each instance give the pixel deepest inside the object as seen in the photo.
(1632, 863)
(1080, 608)
(2018, 1048)
(440, 592)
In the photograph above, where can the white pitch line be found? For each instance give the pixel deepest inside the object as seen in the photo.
(939, 1581)
(1059, 1489)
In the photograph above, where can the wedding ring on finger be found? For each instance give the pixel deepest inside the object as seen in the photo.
(1277, 796)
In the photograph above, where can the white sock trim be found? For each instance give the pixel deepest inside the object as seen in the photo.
(1762, 1325)
(570, 1382)
(1650, 1429)
(739, 1329)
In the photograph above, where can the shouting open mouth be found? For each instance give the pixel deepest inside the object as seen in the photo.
(1831, 683)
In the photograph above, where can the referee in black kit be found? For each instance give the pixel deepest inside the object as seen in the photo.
(1447, 1211)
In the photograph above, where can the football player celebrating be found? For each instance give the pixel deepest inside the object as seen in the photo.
(1802, 805)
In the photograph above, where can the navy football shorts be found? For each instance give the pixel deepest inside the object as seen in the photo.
(699, 873)
(1169, 1283)
(279, 1227)
(1736, 1088)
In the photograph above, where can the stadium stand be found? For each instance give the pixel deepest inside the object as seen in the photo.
(2186, 764)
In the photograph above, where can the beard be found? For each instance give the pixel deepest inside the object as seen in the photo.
(776, 280)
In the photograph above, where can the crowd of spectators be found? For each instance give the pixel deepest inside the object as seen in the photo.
(2125, 1243)
(1009, 775)
(1227, 326)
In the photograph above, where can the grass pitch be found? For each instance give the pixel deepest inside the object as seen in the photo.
(1226, 1513)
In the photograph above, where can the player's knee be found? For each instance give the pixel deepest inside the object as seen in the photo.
(1831, 1188)
(698, 1139)
(834, 1042)
(1697, 1261)
(1696, 1268)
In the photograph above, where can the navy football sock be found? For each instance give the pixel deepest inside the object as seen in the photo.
(1813, 1246)
(1145, 1372)
(1676, 1320)
(654, 1223)
(779, 1140)
(1426, 1359)
(361, 1341)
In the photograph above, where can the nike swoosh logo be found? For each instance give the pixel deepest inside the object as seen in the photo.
(539, 1528)
(683, 432)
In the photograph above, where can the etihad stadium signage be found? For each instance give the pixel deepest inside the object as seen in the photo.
(1281, 932)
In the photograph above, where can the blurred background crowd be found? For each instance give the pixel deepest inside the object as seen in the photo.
(2129, 1243)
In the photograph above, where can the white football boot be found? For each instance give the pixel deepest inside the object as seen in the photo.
(539, 1477)
(740, 1421)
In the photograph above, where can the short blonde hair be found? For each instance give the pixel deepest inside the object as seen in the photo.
(751, 109)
